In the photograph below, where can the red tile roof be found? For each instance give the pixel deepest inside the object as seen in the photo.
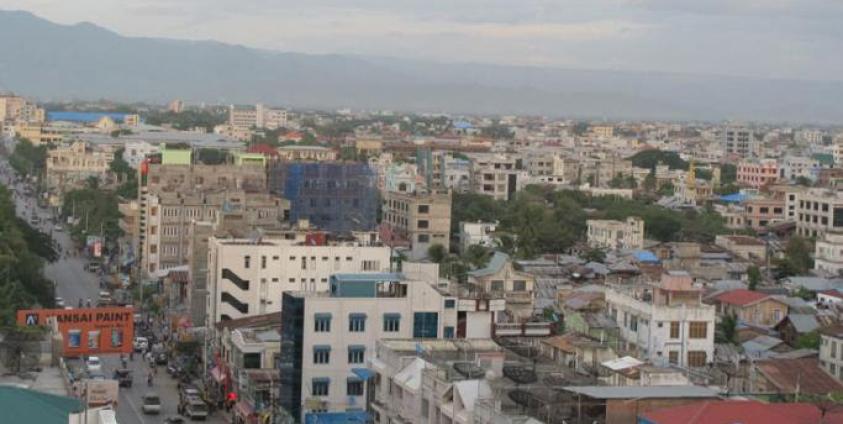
(730, 412)
(832, 293)
(803, 374)
(263, 149)
(741, 297)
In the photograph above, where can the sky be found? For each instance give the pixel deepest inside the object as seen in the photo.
(799, 39)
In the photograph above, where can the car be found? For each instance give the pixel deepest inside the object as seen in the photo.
(59, 302)
(123, 377)
(151, 403)
(194, 408)
(174, 419)
(58, 228)
(96, 375)
(140, 344)
(93, 364)
(161, 358)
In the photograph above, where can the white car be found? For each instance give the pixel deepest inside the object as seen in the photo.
(151, 403)
(140, 343)
(93, 364)
(59, 302)
(58, 228)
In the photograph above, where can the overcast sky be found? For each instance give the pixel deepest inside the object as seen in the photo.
(769, 38)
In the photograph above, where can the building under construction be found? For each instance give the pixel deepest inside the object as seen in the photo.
(334, 196)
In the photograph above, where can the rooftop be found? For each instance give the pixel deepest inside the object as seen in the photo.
(803, 375)
(741, 297)
(728, 411)
(643, 392)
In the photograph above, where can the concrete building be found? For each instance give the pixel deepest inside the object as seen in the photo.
(328, 336)
(739, 141)
(306, 153)
(134, 152)
(760, 212)
(614, 235)
(758, 173)
(497, 175)
(258, 117)
(39, 134)
(602, 131)
(500, 280)
(248, 277)
(666, 322)
(477, 233)
(176, 106)
(744, 247)
(828, 253)
(831, 351)
(818, 211)
(70, 166)
(17, 109)
(793, 167)
(417, 220)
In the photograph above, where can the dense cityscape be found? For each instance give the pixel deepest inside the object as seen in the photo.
(271, 263)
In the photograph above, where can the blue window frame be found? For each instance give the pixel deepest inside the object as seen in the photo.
(449, 332)
(450, 303)
(319, 386)
(356, 323)
(322, 323)
(321, 354)
(391, 323)
(356, 354)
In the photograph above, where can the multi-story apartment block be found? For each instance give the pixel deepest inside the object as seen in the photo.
(610, 168)
(828, 253)
(761, 211)
(39, 134)
(134, 152)
(18, 109)
(667, 322)
(818, 211)
(70, 166)
(758, 173)
(793, 167)
(259, 117)
(615, 235)
(739, 141)
(418, 219)
(831, 350)
(248, 277)
(497, 175)
(327, 336)
(602, 131)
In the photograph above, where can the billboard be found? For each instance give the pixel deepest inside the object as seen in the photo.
(87, 331)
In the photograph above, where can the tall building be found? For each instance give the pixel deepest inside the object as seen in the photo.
(666, 323)
(258, 117)
(613, 235)
(333, 196)
(247, 277)
(739, 141)
(828, 253)
(818, 211)
(17, 109)
(417, 220)
(68, 167)
(497, 175)
(757, 173)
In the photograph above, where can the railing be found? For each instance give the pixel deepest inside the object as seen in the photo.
(530, 329)
(232, 301)
(234, 278)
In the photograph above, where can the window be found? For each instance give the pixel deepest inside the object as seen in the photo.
(391, 323)
(519, 285)
(698, 330)
(424, 208)
(633, 323)
(74, 338)
(322, 323)
(696, 358)
(93, 339)
(424, 238)
(423, 223)
(371, 265)
(320, 386)
(304, 262)
(247, 261)
(251, 360)
(673, 357)
(356, 323)
(833, 349)
(497, 285)
(450, 303)
(354, 387)
(356, 354)
(449, 332)
(116, 337)
(263, 262)
(321, 354)
(674, 329)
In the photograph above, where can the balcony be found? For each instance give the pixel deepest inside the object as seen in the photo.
(235, 279)
(232, 301)
(527, 329)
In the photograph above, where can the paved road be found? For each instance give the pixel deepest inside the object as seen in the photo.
(74, 283)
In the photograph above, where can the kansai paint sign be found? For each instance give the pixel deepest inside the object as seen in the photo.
(87, 331)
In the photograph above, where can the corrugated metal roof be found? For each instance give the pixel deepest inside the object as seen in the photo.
(643, 392)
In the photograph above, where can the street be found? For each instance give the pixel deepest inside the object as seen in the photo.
(74, 283)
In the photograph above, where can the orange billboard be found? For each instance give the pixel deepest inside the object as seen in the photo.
(87, 331)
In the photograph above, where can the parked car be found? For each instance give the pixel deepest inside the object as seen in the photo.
(194, 408)
(93, 364)
(58, 228)
(151, 403)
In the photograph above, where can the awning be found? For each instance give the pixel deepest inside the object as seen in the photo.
(218, 375)
(363, 373)
(377, 364)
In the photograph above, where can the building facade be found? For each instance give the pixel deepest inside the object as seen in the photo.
(828, 253)
(614, 235)
(419, 219)
(70, 166)
(818, 211)
(758, 173)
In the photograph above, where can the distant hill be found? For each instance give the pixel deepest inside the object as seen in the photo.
(83, 61)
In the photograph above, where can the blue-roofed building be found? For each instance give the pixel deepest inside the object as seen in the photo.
(734, 198)
(329, 337)
(645, 256)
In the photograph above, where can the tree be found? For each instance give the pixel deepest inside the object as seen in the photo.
(650, 182)
(728, 329)
(754, 276)
(437, 253)
(808, 341)
(650, 158)
(594, 255)
(666, 189)
(797, 257)
(28, 159)
(804, 181)
(210, 156)
(477, 256)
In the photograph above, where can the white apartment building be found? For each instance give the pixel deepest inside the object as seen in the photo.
(497, 175)
(479, 233)
(818, 211)
(667, 323)
(614, 235)
(831, 351)
(248, 277)
(828, 253)
(793, 167)
(259, 117)
(328, 338)
(134, 152)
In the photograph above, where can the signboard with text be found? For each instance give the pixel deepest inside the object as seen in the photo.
(87, 331)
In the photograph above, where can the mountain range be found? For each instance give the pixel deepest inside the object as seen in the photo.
(49, 61)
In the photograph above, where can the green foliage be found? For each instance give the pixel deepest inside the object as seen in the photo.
(797, 257)
(804, 181)
(477, 256)
(437, 253)
(93, 210)
(128, 175)
(620, 181)
(727, 330)
(728, 174)
(754, 275)
(805, 294)
(580, 128)
(28, 159)
(497, 131)
(188, 119)
(594, 255)
(667, 189)
(808, 341)
(210, 156)
(650, 158)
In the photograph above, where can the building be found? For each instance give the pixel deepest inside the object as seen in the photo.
(38, 133)
(176, 106)
(818, 211)
(328, 336)
(744, 247)
(831, 351)
(757, 173)
(134, 152)
(739, 141)
(69, 167)
(497, 175)
(760, 212)
(735, 411)
(751, 307)
(616, 235)
(624, 404)
(248, 277)
(417, 220)
(666, 322)
(17, 109)
(602, 131)
(499, 279)
(258, 117)
(794, 167)
(828, 253)
(296, 153)
(333, 196)
(477, 233)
